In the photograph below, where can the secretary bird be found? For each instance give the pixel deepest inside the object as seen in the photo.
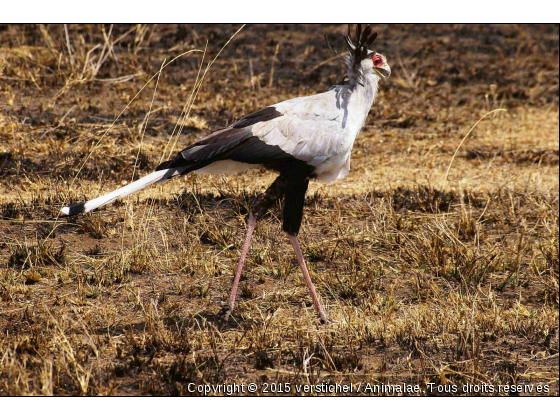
(301, 139)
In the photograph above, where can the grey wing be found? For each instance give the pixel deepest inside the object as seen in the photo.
(307, 129)
(310, 129)
(237, 143)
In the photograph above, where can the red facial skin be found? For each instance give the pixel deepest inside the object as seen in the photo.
(377, 61)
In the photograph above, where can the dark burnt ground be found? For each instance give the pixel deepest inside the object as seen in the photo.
(451, 282)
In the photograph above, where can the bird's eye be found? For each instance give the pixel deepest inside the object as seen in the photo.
(377, 61)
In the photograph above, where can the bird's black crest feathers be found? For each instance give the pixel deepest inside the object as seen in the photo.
(358, 49)
(364, 39)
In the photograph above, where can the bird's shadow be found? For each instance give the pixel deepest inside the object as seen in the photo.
(219, 321)
(180, 324)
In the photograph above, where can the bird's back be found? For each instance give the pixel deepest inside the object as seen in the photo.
(318, 130)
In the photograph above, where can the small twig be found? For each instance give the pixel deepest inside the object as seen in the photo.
(72, 62)
(322, 63)
(50, 130)
(120, 79)
(272, 66)
(465, 138)
(409, 74)
(252, 74)
(106, 46)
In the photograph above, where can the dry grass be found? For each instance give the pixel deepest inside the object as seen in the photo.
(450, 283)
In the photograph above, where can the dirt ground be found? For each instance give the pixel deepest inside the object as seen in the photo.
(442, 273)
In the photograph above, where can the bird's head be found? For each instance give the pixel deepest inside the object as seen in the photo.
(376, 63)
(361, 60)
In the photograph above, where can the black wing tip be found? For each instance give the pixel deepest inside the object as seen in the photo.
(265, 114)
(74, 209)
(164, 165)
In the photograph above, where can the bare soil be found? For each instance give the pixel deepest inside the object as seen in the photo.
(437, 270)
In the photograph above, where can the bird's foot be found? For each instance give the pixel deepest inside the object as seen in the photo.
(225, 313)
(325, 320)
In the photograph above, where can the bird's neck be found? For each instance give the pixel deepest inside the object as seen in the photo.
(365, 89)
(362, 95)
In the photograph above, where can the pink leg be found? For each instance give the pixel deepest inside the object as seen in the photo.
(250, 228)
(314, 297)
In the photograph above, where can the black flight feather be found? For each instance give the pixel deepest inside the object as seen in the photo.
(236, 143)
(265, 114)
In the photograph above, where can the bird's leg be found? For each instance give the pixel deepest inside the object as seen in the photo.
(294, 194)
(246, 244)
(307, 277)
(261, 206)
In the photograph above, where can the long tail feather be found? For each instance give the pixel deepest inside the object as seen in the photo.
(158, 176)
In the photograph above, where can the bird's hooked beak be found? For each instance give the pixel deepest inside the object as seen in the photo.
(384, 71)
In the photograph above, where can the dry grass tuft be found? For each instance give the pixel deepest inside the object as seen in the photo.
(451, 280)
